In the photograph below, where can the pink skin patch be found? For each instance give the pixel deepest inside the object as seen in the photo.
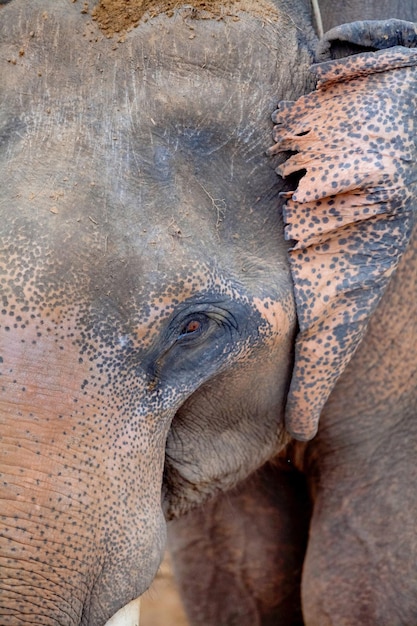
(352, 214)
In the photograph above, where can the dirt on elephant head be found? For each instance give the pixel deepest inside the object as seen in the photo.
(119, 16)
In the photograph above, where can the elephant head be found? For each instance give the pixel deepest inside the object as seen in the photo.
(148, 310)
(144, 288)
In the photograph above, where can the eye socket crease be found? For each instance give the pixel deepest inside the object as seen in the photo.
(191, 328)
(189, 325)
(200, 337)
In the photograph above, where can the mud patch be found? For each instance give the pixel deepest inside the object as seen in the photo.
(119, 16)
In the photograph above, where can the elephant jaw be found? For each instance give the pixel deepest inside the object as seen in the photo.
(126, 616)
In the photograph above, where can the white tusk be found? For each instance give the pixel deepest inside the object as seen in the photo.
(127, 616)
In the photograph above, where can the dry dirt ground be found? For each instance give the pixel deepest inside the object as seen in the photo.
(161, 606)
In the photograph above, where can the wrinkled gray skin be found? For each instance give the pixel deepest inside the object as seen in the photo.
(324, 535)
(147, 331)
(145, 280)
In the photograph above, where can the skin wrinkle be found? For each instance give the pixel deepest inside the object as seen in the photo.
(358, 442)
(90, 279)
(355, 226)
(103, 349)
(37, 595)
(68, 570)
(36, 592)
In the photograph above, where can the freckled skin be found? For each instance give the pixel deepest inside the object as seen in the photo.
(147, 330)
(144, 288)
(352, 214)
(359, 566)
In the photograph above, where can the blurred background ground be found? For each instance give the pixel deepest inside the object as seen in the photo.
(161, 605)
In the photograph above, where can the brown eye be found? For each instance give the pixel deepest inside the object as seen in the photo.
(192, 326)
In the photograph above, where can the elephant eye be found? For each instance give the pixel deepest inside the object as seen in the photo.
(193, 327)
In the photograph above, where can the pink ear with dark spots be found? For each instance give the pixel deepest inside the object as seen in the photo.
(352, 214)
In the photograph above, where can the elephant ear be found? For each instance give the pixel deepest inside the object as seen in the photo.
(352, 214)
(375, 34)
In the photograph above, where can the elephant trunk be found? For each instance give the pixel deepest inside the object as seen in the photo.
(81, 527)
(42, 573)
(24, 605)
(23, 601)
(60, 563)
(35, 586)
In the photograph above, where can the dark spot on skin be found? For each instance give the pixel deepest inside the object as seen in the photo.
(370, 236)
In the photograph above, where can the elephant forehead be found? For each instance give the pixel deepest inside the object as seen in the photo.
(129, 170)
(119, 174)
(171, 78)
(178, 39)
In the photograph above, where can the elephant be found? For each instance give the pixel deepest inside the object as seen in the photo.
(159, 371)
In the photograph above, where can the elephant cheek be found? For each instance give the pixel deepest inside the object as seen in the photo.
(280, 318)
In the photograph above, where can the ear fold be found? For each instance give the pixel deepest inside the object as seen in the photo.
(376, 34)
(352, 214)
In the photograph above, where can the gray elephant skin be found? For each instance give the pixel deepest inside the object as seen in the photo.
(149, 327)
